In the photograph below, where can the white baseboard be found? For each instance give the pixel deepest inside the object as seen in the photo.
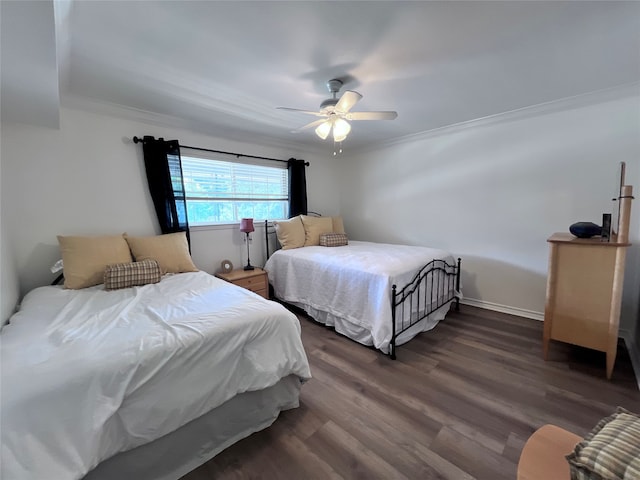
(634, 353)
(520, 312)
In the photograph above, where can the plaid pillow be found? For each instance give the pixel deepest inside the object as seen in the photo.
(611, 451)
(333, 240)
(124, 275)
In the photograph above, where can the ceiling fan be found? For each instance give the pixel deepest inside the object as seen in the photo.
(336, 114)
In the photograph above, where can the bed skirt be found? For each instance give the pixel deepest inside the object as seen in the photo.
(363, 335)
(176, 454)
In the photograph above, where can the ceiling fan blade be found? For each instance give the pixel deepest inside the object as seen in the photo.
(310, 125)
(371, 115)
(317, 114)
(347, 100)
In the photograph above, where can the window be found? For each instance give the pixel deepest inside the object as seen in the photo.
(224, 192)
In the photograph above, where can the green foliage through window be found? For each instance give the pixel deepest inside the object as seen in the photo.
(224, 192)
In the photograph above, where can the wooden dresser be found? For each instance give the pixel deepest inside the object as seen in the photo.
(584, 290)
(254, 280)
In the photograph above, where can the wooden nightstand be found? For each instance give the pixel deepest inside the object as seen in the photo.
(254, 280)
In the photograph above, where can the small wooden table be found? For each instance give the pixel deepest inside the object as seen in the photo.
(584, 293)
(543, 456)
(254, 280)
(584, 287)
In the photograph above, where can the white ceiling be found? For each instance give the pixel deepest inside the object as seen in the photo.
(222, 67)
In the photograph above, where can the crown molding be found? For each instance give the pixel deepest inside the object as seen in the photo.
(568, 103)
(99, 107)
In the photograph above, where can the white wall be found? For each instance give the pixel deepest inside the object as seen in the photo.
(88, 179)
(491, 192)
(494, 190)
(9, 285)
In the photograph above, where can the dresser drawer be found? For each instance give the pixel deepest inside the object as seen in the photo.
(263, 293)
(259, 282)
(254, 280)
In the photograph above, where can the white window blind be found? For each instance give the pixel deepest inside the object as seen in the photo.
(224, 192)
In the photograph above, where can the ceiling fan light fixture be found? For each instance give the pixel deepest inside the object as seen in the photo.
(341, 129)
(328, 104)
(336, 114)
(323, 130)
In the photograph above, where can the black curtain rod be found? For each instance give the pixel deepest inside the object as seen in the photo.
(238, 155)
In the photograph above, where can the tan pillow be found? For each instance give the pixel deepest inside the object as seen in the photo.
(171, 251)
(290, 232)
(338, 225)
(86, 258)
(314, 227)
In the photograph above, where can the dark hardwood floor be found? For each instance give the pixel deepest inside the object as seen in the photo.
(458, 403)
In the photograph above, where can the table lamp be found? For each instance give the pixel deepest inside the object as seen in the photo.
(246, 226)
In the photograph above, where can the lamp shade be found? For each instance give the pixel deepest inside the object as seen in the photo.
(323, 129)
(341, 129)
(246, 225)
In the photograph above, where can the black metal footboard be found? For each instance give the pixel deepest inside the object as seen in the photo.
(435, 284)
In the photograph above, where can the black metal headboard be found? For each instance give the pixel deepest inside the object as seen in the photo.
(268, 229)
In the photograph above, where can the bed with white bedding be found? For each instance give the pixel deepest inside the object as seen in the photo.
(377, 294)
(135, 375)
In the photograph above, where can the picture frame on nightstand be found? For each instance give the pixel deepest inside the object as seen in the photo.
(226, 266)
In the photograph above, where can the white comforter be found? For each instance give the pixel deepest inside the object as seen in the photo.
(89, 373)
(352, 283)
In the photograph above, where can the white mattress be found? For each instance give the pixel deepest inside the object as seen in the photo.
(349, 287)
(89, 373)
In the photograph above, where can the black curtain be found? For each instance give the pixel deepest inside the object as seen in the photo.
(164, 175)
(297, 187)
